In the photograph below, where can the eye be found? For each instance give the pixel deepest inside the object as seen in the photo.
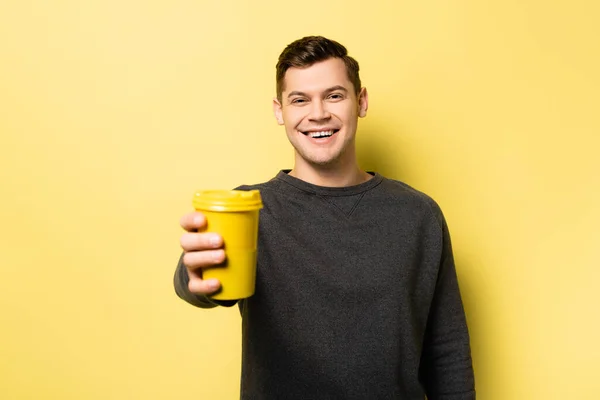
(298, 101)
(335, 96)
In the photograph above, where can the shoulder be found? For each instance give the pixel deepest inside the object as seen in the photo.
(271, 185)
(401, 192)
(271, 191)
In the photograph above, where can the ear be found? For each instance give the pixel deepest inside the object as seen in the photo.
(363, 102)
(277, 111)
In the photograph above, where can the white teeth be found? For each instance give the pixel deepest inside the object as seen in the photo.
(320, 134)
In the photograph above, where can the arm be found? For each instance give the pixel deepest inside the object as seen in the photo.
(446, 370)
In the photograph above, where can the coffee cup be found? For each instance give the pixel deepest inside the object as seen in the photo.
(233, 214)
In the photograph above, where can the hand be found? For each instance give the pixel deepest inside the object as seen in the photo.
(201, 250)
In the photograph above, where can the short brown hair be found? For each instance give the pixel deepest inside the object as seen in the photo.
(312, 49)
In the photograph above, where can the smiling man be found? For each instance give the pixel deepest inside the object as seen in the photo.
(356, 290)
(319, 107)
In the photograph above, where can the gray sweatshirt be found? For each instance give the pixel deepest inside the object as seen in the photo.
(356, 297)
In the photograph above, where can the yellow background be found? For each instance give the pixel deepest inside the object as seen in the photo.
(112, 113)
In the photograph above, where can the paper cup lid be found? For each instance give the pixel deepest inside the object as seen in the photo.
(227, 200)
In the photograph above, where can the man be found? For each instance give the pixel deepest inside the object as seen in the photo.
(356, 291)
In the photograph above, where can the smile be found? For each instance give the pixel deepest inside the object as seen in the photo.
(321, 134)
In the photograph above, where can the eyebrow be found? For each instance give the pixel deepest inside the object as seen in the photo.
(329, 90)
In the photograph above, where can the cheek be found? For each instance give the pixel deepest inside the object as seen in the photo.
(290, 129)
(344, 111)
(290, 124)
(292, 119)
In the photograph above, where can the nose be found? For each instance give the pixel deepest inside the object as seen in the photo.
(319, 111)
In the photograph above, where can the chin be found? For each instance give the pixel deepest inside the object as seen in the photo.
(324, 162)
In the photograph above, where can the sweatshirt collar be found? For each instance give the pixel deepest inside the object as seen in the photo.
(284, 176)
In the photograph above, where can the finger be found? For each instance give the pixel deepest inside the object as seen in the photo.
(200, 259)
(200, 286)
(200, 241)
(193, 221)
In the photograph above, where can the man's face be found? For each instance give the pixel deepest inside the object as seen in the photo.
(319, 109)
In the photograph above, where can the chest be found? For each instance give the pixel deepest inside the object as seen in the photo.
(321, 246)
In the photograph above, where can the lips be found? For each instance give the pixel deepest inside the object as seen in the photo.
(325, 133)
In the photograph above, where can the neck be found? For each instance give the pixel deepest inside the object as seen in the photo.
(330, 176)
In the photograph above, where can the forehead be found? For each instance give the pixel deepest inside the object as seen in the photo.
(317, 77)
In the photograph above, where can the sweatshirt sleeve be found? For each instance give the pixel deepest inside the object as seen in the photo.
(181, 280)
(446, 370)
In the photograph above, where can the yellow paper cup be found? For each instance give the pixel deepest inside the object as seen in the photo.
(234, 215)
